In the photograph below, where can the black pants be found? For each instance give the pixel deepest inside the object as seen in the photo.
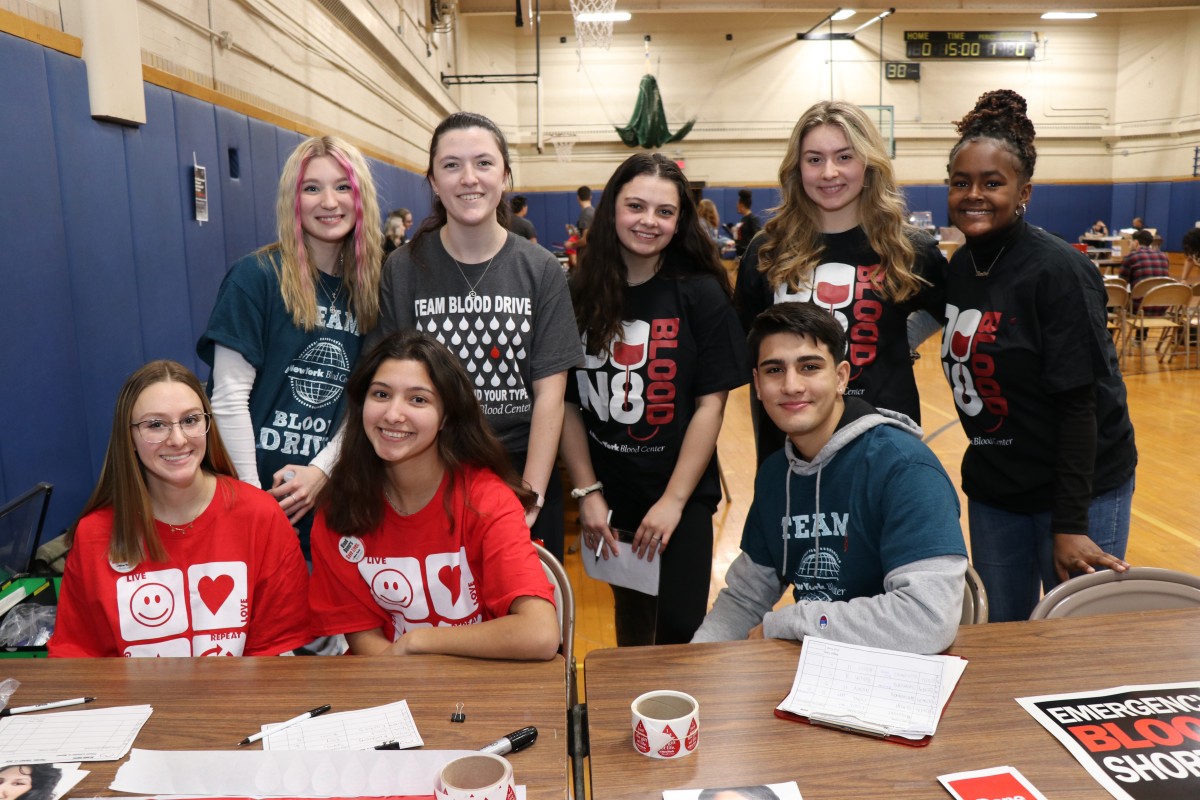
(682, 602)
(548, 527)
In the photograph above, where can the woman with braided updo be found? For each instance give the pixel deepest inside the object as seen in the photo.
(1049, 467)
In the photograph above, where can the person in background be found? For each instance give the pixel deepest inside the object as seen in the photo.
(1049, 466)
(662, 350)
(517, 223)
(395, 229)
(498, 301)
(287, 324)
(586, 213)
(1145, 261)
(1098, 228)
(420, 544)
(1191, 253)
(711, 220)
(871, 543)
(750, 224)
(172, 555)
(1137, 224)
(841, 240)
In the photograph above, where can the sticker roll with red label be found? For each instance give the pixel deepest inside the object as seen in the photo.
(666, 724)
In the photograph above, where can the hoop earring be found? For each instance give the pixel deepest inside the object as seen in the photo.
(1021, 209)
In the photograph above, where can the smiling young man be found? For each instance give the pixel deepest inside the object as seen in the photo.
(855, 513)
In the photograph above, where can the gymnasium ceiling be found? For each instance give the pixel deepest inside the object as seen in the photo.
(741, 6)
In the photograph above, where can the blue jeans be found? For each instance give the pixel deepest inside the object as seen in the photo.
(1014, 553)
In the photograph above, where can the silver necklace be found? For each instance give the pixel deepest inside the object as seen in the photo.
(179, 530)
(320, 283)
(985, 272)
(471, 286)
(387, 495)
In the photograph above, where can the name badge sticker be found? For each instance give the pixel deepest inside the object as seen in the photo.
(351, 548)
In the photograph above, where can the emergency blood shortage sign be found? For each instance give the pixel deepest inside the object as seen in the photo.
(1138, 742)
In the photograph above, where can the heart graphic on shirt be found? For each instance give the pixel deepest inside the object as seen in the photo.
(451, 578)
(215, 591)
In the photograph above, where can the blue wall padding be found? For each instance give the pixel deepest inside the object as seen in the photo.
(105, 268)
(43, 430)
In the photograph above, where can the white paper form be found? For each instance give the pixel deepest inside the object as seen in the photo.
(257, 773)
(888, 692)
(102, 734)
(625, 570)
(350, 730)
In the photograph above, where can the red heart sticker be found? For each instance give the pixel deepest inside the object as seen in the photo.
(672, 747)
(215, 591)
(693, 737)
(640, 741)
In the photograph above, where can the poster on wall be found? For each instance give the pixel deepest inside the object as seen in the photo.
(1138, 742)
(200, 190)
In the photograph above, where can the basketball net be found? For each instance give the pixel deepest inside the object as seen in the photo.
(563, 145)
(592, 34)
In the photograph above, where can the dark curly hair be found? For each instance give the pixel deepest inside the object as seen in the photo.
(1000, 115)
(43, 778)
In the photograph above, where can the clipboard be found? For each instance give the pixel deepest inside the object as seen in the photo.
(881, 730)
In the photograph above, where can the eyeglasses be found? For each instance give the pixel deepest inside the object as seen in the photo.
(156, 431)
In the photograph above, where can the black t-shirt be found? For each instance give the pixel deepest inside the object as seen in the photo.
(681, 341)
(1033, 328)
(751, 225)
(881, 370)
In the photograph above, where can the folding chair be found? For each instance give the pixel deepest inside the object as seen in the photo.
(1173, 299)
(975, 602)
(1108, 592)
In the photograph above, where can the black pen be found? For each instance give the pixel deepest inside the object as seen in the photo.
(45, 706)
(517, 740)
(388, 746)
(316, 712)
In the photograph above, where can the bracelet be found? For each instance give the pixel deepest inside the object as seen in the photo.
(541, 500)
(579, 494)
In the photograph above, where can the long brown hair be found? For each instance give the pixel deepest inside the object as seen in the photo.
(353, 498)
(362, 250)
(122, 485)
(794, 243)
(598, 289)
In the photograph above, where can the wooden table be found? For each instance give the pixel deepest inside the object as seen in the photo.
(211, 703)
(738, 685)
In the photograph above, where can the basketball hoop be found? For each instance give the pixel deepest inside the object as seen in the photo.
(563, 144)
(590, 33)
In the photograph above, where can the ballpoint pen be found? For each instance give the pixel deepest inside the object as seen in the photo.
(45, 706)
(316, 712)
(517, 740)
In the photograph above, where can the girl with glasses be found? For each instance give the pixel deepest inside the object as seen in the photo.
(172, 555)
(420, 544)
(287, 325)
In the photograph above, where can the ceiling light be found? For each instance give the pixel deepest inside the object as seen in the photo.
(875, 19)
(604, 16)
(1068, 15)
(841, 14)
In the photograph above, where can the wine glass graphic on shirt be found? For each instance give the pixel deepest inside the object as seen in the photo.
(629, 352)
(957, 338)
(831, 288)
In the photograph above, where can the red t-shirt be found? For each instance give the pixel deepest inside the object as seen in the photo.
(235, 583)
(418, 571)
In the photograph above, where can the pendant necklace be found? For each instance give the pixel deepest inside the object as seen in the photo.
(471, 286)
(653, 272)
(983, 273)
(320, 283)
(180, 530)
(387, 495)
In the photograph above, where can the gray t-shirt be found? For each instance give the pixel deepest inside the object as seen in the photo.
(509, 321)
(586, 215)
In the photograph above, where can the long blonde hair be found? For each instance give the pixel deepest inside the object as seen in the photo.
(122, 485)
(362, 250)
(794, 242)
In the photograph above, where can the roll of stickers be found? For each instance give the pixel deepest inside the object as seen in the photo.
(666, 724)
(476, 777)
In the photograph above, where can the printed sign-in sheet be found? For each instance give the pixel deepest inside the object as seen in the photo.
(102, 734)
(350, 730)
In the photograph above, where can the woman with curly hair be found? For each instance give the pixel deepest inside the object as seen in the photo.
(1049, 466)
(287, 325)
(840, 240)
(663, 349)
(29, 781)
(420, 544)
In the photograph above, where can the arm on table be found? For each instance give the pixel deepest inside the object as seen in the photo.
(529, 632)
(750, 592)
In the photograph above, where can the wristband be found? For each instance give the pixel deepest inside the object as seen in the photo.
(580, 493)
(541, 500)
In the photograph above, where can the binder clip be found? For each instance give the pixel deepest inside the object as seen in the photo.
(458, 715)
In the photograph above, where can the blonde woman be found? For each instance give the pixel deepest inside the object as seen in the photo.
(840, 240)
(288, 322)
